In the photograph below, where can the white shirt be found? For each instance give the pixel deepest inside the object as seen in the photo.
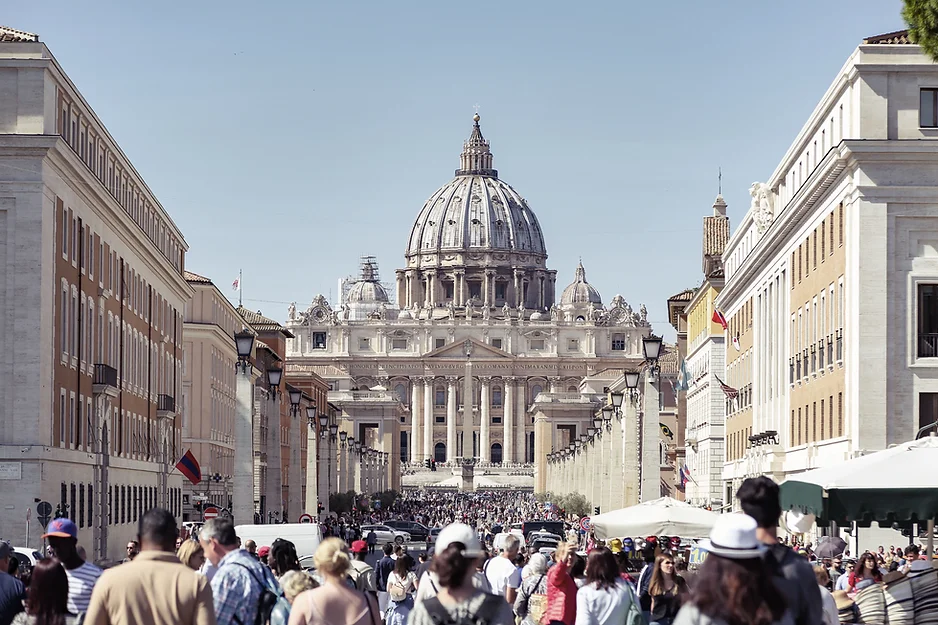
(429, 585)
(81, 582)
(502, 574)
(603, 607)
(831, 616)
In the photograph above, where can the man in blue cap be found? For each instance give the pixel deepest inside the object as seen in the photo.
(82, 576)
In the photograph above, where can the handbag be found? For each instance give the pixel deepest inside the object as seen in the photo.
(537, 603)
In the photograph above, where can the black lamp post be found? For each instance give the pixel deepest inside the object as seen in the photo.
(244, 344)
(651, 345)
(295, 396)
(274, 375)
(311, 416)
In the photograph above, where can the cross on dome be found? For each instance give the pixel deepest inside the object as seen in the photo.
(476, 157)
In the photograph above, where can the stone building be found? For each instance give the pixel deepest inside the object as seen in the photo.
(92, 300)
(478, 359)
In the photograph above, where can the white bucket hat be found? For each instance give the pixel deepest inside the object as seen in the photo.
(459, 533)
(734, 536)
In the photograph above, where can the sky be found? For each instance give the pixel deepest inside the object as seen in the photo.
(288, 138)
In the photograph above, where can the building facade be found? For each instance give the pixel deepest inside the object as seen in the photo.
(706, 351)
(830, 276)
(477, 340)
(93, 296)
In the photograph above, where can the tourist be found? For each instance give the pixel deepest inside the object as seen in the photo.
(239, 578)
(382, 570)
(865, 574)
(531, 601)
(155, 587)
(457, 551)
(251, 547)
(47, 600)
(282, 558)
(333, 601)
(12, 591)
(827, 599)
(82, 576)
(561, 589)
(759, 498)
(402, 584)
(735, 583)
(133, 548)
(294, 583)
(502, 574)
(191, 554)
(666, 591)
(362, 572)
(606, 598)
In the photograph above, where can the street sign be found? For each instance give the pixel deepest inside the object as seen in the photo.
(306, 518)
(585, 524)
(44, 508)
(210, 512)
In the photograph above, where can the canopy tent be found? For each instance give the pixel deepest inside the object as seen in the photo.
(659, 517)
(894, 485)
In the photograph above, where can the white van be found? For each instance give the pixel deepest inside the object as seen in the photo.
(499, 541)
(306, 536)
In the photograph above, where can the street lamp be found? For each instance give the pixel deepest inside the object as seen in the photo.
(631, 382)
(295, 396)
(597, 422)
(311, 416)
(244, 344)
(607, 413)
(616, 397)
(342, 437)
(274, 375)
(651, 345)
(333, 428)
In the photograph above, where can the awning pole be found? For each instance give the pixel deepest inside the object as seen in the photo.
(931, 542)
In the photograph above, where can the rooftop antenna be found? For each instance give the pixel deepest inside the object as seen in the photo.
(720, 180)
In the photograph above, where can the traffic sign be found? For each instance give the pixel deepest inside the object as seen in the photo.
(44, 508)
(306, 518)
(585, 524)
(210, 512)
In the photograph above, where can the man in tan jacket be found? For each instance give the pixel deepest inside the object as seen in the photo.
(155, 588)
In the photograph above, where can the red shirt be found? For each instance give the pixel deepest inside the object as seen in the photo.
(561, 595)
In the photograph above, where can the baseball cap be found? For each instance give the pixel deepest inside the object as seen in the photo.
(359, 546)
(458, 533)
(61, 528)
(263, 552)
(615, 545)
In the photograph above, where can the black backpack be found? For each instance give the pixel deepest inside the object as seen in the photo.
(483, 616)
(269, 602)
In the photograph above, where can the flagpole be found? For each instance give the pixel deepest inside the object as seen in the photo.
(240, 289)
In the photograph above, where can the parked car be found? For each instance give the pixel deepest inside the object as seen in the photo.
(27, 558)
(418, 531)
(387, 534)
(431, 537)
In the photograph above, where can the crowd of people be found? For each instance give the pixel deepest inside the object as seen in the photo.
(749, 576)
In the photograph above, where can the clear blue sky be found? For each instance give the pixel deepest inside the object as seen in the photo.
(288, 138)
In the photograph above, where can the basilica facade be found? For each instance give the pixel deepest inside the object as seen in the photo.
(477, 359)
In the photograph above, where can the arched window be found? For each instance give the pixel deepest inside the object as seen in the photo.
(401, 391)
(535, 391)
(571, 389)
(497, 397)
(439, 452)
(496, 453)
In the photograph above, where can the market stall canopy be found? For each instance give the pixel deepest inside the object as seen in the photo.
(659, 517)
(899, 484)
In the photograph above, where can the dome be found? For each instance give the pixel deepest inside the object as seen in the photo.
(363, 292)
(476, 211)
(580, 292)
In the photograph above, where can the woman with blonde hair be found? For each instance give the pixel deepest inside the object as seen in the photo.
(666, 590)
(295, 582)
(333, 603)
(191, 554)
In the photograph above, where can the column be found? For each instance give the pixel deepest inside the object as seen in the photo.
(243, 496)
(450, 419)
(521, 418)
(357, 470)
(428, 399)
(517, 290)
(343, 468)
(296, 471)
(467, 416)
(508, 402)
(324, 489)
(651, 433)
(416, 420)
(542, 447)
(461, 280)
(312, 472)
(630, 453)
(485, 436)
(486, 285)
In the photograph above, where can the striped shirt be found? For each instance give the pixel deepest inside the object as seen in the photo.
(81, 582)
(236, 591)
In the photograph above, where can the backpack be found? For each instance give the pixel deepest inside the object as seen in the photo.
(272, 607)
(483, 616)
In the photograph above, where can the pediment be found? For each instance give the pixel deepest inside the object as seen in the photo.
(456, 350)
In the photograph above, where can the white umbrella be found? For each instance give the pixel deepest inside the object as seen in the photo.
(659, 517)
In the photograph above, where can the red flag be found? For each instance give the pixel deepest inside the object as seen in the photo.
(719, 318)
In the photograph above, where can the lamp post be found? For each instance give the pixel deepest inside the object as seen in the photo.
(274, 375)
(242, 507)
(312, 469)
(325, 471)
(343, 462)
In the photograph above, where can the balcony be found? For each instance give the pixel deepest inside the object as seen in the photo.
(165, 406)
(928, 345)
(791, 370)
(104, 380)
(840, 345)
(820, 349)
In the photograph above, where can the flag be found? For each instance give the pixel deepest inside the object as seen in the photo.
(683, 484)
(728, 390)
(189, 467)
(236, 284)
(683, 377)
(719, 318)
(666, 431)
(736, 342)
(687, 474)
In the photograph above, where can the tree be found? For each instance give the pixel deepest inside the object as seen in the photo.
(544, 497)
(341, 503)
(574, 503)
(922, 18)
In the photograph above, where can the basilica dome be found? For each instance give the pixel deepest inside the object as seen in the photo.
(580, 292)
(476, 212)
